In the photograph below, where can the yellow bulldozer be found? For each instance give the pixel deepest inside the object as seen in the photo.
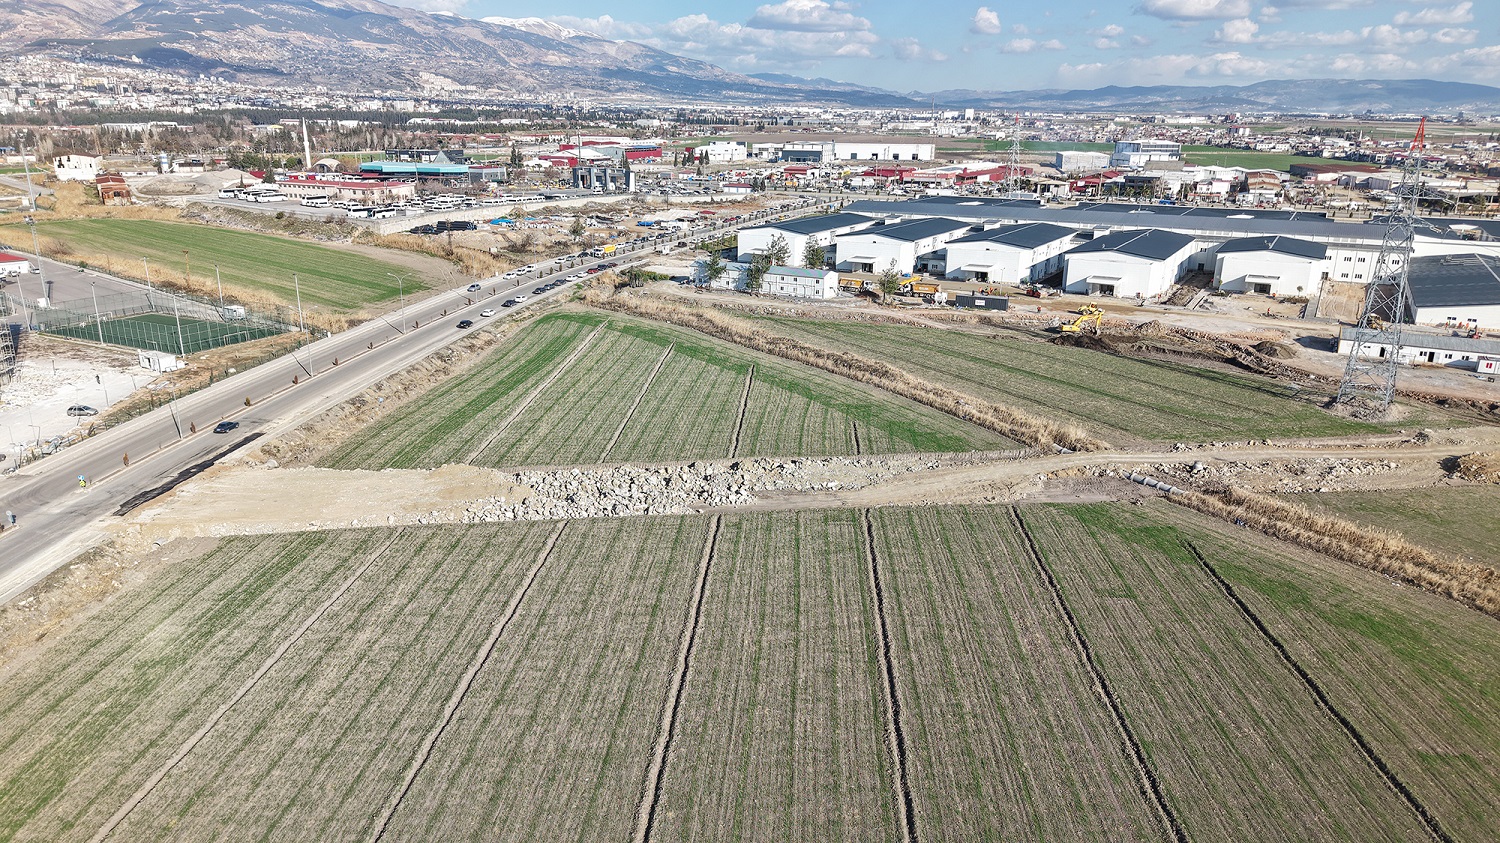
(1077, 325)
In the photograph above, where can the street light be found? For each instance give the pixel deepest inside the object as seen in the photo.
(94, 294)
(401, 290)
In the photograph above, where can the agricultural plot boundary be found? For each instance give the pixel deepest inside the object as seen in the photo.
(651, 790)
(461, 690)
(1150, 784)
(739, 424)
(249, 684)
(895, 735)
(1434, 828)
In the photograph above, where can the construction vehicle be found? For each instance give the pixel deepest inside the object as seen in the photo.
(1076, 326)
(1037, 291)
(1089, 309)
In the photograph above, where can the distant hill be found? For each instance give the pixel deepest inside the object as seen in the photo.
(372, 46)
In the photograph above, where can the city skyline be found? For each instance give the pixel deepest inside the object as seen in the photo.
(1065, 44)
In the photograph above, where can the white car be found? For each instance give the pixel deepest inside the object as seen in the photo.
(522, 298)
(489, 311)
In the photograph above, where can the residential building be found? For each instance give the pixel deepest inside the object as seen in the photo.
(76, 167)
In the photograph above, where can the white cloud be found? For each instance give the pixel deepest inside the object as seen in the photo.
(1237, 31)
(1454, 35)
(1196, 9)
(1112, 31)
(1140, 41)
(744, 46)
(910, 49)
(1269, 14)
(1437, 16)
(1030, 45)
(986, 21)
(1168, 69)
(1327, 4)
(1106, 44)
(806, 16)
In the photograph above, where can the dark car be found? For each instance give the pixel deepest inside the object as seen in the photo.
(82, 410)
(225, 426)
(508, 303)
(466, 323)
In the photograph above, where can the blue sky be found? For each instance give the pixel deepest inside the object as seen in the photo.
(931, 45)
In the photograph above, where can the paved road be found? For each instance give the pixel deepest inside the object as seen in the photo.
(57, 517)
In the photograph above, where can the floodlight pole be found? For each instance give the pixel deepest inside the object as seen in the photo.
(146, 262)
(177, 314)
(94, 294)
(220, 282)
(297, 285)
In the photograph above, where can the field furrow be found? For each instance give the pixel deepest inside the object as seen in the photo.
(780, 728)
(1236, 740)
(113, 702)
(326, 736)
(554, 736)
(1419, 679)
(1006, 737)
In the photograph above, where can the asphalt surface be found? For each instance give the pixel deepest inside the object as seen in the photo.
(57, 516)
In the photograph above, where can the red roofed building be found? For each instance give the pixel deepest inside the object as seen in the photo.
(361, 191)
(112, 189)
(13, 264)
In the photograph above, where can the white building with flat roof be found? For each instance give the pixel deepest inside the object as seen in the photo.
(1136, 154)
(798, 282)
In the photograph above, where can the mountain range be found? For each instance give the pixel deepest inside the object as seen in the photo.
(367, 45)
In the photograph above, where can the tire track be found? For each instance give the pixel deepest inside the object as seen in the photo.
(419, 760)
(854, 426)
(1429, 821)
(535, 393)
(1149, 784)
(213, 720)
(895, 736)
(645, 815)
(630, 414)
(739, 424)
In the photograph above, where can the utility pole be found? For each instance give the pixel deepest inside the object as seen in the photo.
(1369, 383)
(177, 314)
(94, 293)
(220, 282)
(147, 263)
(297, 285)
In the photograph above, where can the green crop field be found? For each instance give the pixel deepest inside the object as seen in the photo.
(1250, 159)
(258, 263)
(1098, 672)
(1459, 522)
(582, 388)
(1114, 397)
(159, 332)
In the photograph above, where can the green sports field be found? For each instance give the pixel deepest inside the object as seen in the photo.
(158, 332)
(257, 263)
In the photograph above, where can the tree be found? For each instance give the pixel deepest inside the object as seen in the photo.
(813, 257)
(889, 281)
(515, 155)
(577, 229)
(714, 268)
(759, 265)
(778, 251)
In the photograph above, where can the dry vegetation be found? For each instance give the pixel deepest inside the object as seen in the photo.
(1480, 468)
(1006, 421)
(1379, 550)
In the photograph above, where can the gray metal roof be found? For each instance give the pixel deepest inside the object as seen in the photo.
(1238, 224)
(1026, 235)
(1150, 243)
(1276, 243)
(819, 223)
(1207, 213)
(1454, 281)
(913, 230)
(1437, 342)
(798, 272)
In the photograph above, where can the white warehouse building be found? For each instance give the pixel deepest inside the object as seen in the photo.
(822, 152)
(904, 245)
(1143, 263)
(820, 230)
(720, 152)
(1455, 291)
(1276, 266)
(1009, 254)
(1135, 155)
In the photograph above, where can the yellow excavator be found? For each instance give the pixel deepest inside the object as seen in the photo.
(1076, 326)
(1090, 309)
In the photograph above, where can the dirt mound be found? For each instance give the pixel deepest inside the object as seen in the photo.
(1480, 467)
(1279, 351)
(1089, 341)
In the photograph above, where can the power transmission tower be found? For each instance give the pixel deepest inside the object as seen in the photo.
(1369, 380)
(1013, 172)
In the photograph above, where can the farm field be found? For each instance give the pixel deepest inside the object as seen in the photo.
(1459, 522)
(554, 737)
(1217, 156)
(259, 263)
(782, 724)
(85, 724)
(328, 733)
(688, 410)
(509, 682)
(1234, 737)
(1114, 397)
(1008, 738)
(1418, 676)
